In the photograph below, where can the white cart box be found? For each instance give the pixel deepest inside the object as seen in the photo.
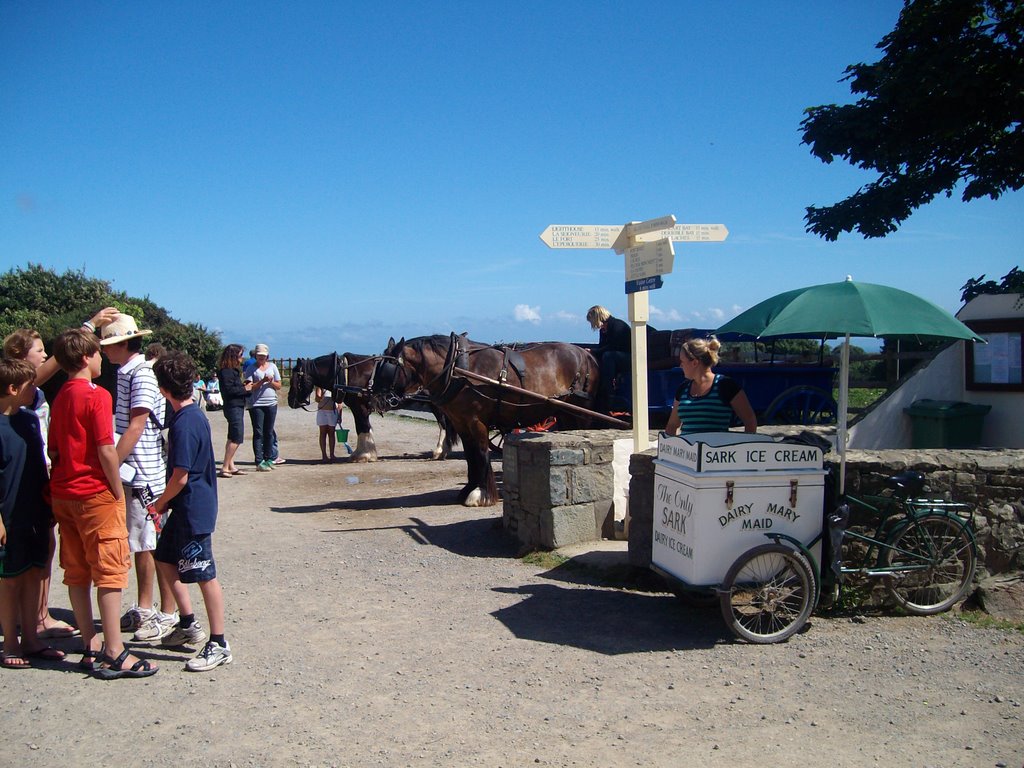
(716, 495)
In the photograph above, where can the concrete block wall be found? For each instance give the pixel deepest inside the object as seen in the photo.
(557, 487)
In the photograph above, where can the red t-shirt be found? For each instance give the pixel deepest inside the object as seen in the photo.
(81, 420)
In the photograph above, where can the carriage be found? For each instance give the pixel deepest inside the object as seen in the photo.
(781, 389)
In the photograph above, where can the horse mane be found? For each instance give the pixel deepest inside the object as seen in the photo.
(439, 343)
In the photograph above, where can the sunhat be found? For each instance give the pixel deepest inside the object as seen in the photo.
(122, 329)
(262, 349)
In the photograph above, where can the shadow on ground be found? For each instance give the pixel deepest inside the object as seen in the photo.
(609, 621)
(467, 538)
(440, 498)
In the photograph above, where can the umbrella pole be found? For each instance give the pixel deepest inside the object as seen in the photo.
(844, 397)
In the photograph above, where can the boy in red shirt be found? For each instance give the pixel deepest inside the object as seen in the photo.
(88, 502)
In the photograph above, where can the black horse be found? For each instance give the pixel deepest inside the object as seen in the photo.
(463, 379)
(349, 377)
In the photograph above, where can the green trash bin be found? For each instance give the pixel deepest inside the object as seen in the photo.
(946, 423)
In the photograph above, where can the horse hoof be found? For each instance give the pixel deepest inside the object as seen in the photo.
(474, 498)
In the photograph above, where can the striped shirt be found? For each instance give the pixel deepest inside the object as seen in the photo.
(710, 412)
(137, 388)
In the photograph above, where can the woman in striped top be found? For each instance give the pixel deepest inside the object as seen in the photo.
(706, 401)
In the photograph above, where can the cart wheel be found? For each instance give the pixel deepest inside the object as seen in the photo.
(768, 594)
(801, 405)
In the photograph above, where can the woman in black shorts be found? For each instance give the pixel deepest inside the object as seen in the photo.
(234, 392)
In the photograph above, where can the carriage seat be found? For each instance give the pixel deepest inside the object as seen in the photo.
(906, 484)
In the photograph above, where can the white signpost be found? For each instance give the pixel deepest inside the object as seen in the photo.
(649, 254)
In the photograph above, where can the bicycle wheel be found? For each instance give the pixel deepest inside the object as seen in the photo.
(768, 594)
(933, 561)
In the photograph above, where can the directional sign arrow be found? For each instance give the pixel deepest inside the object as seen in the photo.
(580, 235)
(605, 235)
(690, 233)
(644, 284)
(649, 259)
(637, 228)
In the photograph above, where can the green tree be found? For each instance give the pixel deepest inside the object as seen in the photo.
(942, 108)
(41, 299)
(1012, 282)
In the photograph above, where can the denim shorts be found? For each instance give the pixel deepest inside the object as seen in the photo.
(191, 554)
(235, 414)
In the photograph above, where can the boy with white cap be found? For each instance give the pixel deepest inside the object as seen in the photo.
(139, 418)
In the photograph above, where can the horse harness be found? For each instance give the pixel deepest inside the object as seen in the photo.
(458, 357)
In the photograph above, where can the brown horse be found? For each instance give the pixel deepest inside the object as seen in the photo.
(349, 377)
(550, 369)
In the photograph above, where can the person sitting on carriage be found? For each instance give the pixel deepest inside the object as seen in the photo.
(706, 401)
(612, 353)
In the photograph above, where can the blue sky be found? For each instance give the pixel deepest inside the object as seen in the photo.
(320, 176)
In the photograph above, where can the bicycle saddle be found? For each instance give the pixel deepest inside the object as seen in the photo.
(909, 483)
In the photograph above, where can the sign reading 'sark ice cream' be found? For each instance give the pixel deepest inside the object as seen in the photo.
(720, 452)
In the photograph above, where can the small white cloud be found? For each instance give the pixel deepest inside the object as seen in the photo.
(716, 313)
(524, 313)
(564, 316)
(659, 315)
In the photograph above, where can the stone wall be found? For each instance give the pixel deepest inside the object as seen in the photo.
(992, 479)
(557, 487)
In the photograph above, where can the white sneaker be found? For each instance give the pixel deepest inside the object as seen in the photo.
(134, 618)
(157, 626)
(211, 656)
(194, 635)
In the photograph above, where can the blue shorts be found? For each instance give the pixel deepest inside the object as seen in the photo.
(191, 554)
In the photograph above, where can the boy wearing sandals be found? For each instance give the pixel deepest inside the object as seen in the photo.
(24, 518)
(184, 553)
(88, 502)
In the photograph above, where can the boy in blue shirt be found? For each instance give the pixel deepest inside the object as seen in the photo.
(24, 518)
(184, 552)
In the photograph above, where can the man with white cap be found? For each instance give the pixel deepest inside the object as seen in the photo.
(138, 419)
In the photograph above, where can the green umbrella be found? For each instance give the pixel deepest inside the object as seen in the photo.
(842, 310)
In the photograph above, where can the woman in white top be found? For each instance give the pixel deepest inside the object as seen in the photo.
(266, 383)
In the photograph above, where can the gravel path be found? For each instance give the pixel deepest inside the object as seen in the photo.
(373, 622)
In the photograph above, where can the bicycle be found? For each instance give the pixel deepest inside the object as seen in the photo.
(923, 550)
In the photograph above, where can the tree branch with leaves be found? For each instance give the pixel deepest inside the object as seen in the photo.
(940, 111)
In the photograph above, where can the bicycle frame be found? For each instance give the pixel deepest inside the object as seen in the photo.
(894, 515)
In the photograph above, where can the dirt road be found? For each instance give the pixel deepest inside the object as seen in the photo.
(373, 622)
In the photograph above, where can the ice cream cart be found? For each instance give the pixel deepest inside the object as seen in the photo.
(739, 516)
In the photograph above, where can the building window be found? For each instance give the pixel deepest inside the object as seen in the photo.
(996, 366)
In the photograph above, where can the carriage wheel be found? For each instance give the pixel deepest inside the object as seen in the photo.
(768, 594)
(496, 438)
(802, 405)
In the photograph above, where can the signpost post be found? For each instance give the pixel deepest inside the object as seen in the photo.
(648, 254)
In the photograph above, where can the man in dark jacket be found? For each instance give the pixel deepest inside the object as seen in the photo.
(612, 353)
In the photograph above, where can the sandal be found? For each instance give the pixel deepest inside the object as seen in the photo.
(46, 653)
(114, 668)
(15, 661)
(239, 472)
(59, 630)
(224, 474)
(88, 662)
